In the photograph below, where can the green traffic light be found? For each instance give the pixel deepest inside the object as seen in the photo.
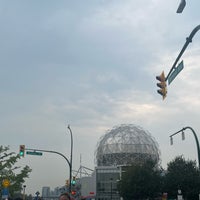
(21, 153)
(21, 150)
(73, 181)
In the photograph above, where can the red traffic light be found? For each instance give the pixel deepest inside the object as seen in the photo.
(73, 192)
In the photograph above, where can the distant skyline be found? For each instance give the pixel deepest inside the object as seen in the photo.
(93, 65)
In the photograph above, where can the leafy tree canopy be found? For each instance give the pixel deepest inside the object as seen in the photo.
(182, 175)
(8, 169)
(141, 181)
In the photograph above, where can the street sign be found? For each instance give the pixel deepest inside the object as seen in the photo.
(34, 153)
(6, 183)
(5, 193)
(175, 72)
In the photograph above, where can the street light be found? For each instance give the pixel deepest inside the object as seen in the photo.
(24, 188)
(183, 137)
(70, 175)
(181, 6)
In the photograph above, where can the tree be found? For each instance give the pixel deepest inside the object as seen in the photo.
(182, 175)
(8, 169)
(141, 181)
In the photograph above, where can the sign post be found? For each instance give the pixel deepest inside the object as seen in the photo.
(5, 191)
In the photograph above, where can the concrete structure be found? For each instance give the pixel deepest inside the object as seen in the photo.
(88, 186)
(46, 192)
(107, 178)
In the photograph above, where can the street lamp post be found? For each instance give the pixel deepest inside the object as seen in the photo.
(37, 195)
(70, 174)
(195, 136)
(111, 179)
(181, 6)
(24, 188)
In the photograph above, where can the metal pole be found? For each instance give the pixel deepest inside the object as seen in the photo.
(196, 139)
(111, 188)
(188, 40)
(70, 177)
(181, 6)
(24, 187)
(197, 142)
(48, 151)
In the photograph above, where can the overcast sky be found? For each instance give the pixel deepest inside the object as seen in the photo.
(92, 64)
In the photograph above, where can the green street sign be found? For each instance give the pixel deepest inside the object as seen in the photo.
(34, 153)
(175, 72)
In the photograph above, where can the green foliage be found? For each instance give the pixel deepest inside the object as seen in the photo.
(8, 169)
(141, 181)
(183, 175)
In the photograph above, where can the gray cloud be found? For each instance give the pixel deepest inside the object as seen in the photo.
(93, 65)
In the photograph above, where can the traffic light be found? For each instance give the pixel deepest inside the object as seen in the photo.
(162, 85)
(73, 181)
(73, 192)
(183, 135)
(22, 150)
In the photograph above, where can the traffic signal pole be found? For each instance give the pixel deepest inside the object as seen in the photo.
(22, 152)
(196, 139)
(188, 40)
(175, 69)
(48, 151)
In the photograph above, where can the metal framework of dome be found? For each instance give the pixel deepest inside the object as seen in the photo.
(125, 145)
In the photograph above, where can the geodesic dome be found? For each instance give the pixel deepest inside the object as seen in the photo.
(125, 145)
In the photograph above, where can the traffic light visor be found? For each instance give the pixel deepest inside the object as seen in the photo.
(162, 84)
(161, 77)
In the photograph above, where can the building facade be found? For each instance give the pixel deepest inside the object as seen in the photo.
(107, 178)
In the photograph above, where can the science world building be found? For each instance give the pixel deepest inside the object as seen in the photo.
(118, 148)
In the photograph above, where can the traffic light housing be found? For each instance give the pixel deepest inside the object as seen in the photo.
(162, 85)
(73, 181)
(73, 192)
(22, 150)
